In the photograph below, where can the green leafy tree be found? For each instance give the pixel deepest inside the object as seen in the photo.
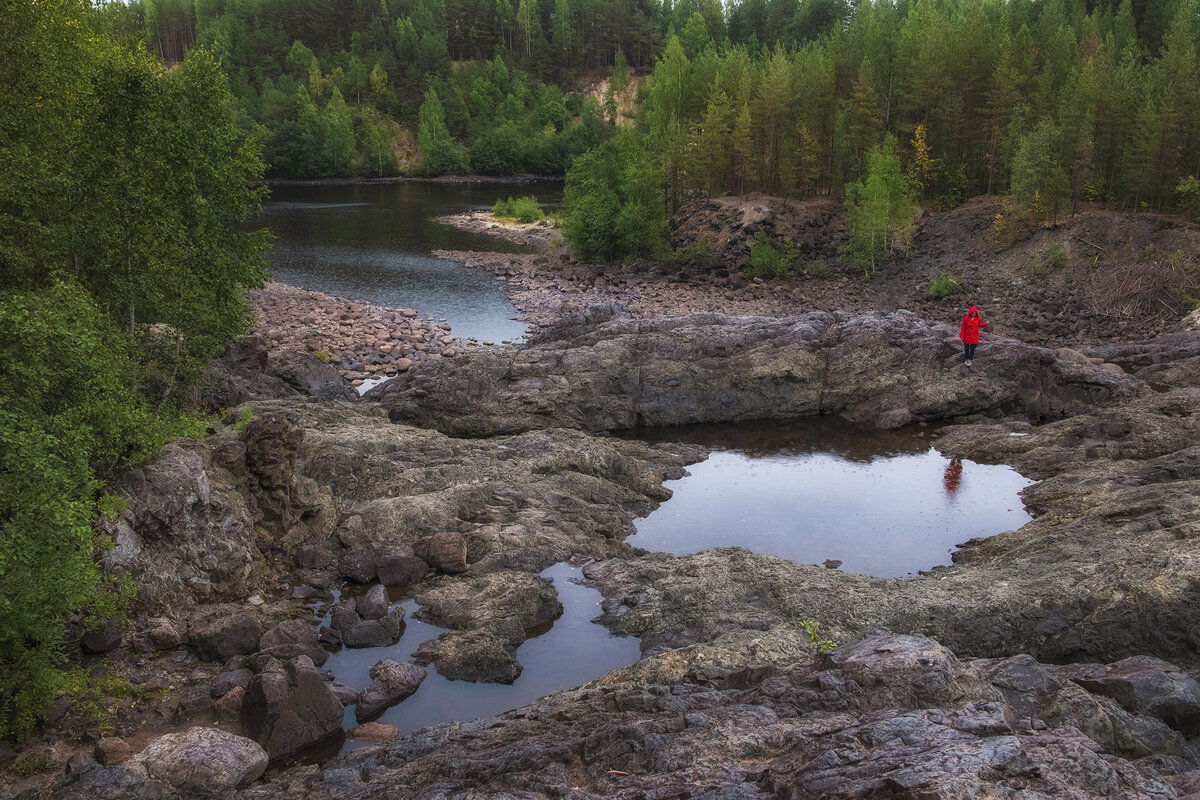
(877, 207)
(339, 133)
(612, 202)
(440, 154)
(124, 259)
(1039, 181)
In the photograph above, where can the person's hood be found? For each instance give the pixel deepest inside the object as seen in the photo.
(973, 310)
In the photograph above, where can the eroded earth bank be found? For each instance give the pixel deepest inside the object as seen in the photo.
(1051, 661)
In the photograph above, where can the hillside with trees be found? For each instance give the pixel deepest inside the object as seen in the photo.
(1052, 101)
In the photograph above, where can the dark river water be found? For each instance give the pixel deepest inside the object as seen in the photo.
(884, 504)
(372, 242)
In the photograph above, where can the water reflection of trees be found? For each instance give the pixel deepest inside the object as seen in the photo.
(772, 439)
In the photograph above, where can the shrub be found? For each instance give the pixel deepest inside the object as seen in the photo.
(1054, 257)
(944, 285)
(522, 209)
(1188, 191)
(699, 252)
(768, 261)
(612, 202)
(244, 419)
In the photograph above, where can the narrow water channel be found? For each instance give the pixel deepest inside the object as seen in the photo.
(885, 504)
(372, 242)
(573, 651)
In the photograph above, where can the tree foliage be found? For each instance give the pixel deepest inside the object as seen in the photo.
(124, 189)
(612, 204)
(878, 210)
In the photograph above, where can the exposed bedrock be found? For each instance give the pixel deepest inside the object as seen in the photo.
(891, 716)
(605, 370)
(1108, 567)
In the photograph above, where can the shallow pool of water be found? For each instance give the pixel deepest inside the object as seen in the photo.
(372, 242)
(884, 504)
(573, 651)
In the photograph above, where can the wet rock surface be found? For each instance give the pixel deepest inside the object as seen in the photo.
(391, 682)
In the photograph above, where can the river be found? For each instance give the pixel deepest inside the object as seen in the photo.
(373, 243)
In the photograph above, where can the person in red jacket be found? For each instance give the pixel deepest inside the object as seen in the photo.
(969, 333)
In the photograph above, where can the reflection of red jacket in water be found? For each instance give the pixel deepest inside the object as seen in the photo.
(969, 330)
(953, 476)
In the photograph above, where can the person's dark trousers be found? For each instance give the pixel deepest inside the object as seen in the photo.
(969, 351)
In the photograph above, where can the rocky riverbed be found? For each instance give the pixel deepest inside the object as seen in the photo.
(1051, 661)
(360, 340)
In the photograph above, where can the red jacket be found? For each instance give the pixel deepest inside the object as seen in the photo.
(969, 331)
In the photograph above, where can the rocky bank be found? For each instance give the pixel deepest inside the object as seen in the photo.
(1050, 661)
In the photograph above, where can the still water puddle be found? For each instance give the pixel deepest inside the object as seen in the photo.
(571, 651)
(884, 504)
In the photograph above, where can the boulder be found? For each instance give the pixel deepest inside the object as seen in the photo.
(108, 783)
(230, 679)
(309, 375)
(218, 632)
(391, 682)
(373, 604)
(203, 757)
(228, 707)
(291, 639)
(102, 639)
(352, 533)
(397, 566)
(380, 632)
(1148, 686)
(358, 564)
(445, 551)
(290, 707)
(112, 750)
(156, 633)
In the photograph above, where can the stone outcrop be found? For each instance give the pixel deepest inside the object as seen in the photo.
(605, 370)
(250, 370)
(184, 537)
(890, 716)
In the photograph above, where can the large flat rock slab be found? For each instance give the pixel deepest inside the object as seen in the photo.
(606, 370)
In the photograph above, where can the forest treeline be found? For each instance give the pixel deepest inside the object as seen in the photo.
(1048, 103)
(784, 96)
(125, 189)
